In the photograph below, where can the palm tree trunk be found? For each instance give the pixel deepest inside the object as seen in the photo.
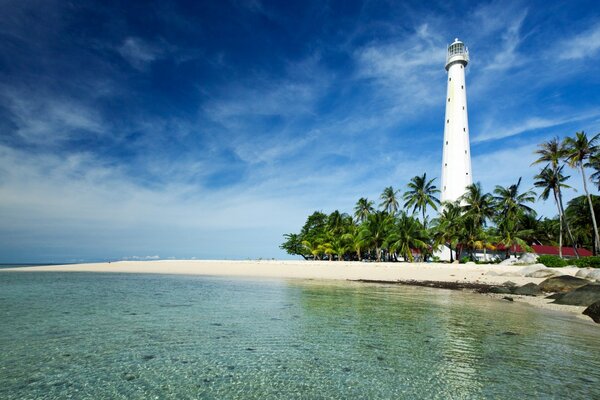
(378, 254)
(596, 237)
(560, 225)
(564, 220)
(424, 226)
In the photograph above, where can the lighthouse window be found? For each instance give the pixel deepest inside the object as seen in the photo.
(447, 121)
(444, 188)
(462, 86)
(446, 164)
(449, 79)
(465, 152)
(446, 142)
(467, 173)
(448, 99)
(463, 107)
(464, 129)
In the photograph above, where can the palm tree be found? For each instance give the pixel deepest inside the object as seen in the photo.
(421, 194)
(314, 248)
(407, 234)
(549, 180)
(577, 151)
(578, 215)
(552, 152)
(447, 226)
(375, 230)
(363, 209)
(477, 208)
(389, 199)
(510, 202)
(594, 163)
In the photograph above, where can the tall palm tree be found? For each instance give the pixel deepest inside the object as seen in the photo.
(550, 180)
(578, 150)
(551, 153)
(389, 199)
(421, 194)
(363, 209)
(594, 163)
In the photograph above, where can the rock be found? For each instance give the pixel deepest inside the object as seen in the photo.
(500, 290)
(532, 268)
(593, 311)
(582, 296)
(563, 283)
(507, 298)
(529, 289)
(508, 261)
(595, 274)
(583, 272)
(528, 258)
(542, 273)
(509, 284)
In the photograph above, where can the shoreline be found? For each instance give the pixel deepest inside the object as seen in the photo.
(477, 278)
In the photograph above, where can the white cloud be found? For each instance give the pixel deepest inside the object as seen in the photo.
(138, 52)
(583, 45)
(494, 130)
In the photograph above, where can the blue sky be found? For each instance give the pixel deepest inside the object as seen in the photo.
(209, 129)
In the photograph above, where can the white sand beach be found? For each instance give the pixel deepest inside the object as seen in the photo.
(401, 272)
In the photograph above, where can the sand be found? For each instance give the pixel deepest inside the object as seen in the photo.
(334, 270)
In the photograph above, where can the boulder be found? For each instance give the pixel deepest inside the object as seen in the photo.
(531, 268)
(582, 296)
(509, 261)
(542, 273)
(595, 274)
(563, 283)
(528, 258)
(529, 289)
(583, 272)
(500, 290)
(509, 284)
(593, 311)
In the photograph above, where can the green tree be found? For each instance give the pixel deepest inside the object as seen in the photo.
(551, 153)
(421, 194)
(550, 180)
(389, 200)
(578, 150)
(374, 231)
(478, 208)
(406, 234)
(446, 227)
(580, 219)
(293, 245)
(363, 209)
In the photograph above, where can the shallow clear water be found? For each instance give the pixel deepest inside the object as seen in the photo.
(83, 335)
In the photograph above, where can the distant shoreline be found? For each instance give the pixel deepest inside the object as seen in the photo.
(449, 276)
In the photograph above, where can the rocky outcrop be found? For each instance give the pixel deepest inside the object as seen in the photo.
(529, 289)
(563, 283)
(582, 296)
(542, 273)
(593, 311)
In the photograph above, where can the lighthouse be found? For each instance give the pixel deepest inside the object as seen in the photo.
(456, 160)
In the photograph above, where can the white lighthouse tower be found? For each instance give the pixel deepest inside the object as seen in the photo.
(456, 162)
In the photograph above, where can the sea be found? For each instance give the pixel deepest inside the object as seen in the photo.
(135, 336)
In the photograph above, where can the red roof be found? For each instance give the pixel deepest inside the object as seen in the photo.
(550, 250)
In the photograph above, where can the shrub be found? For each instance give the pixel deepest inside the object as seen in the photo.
(552, 261)
(464, 260)
(587, 262)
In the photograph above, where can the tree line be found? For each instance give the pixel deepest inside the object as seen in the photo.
(399, 227)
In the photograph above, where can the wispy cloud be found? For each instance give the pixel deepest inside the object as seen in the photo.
(582, 45)
(139, 53)
(500, 129)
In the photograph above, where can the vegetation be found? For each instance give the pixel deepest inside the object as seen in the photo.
(503, 221)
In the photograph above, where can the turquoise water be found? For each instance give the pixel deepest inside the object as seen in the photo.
(92, 336)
